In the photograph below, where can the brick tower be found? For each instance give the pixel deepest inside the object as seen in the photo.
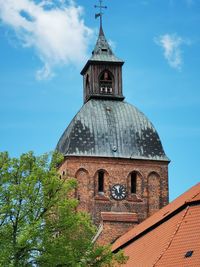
(113, 151)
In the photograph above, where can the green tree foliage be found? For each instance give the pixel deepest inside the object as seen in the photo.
(39, 224)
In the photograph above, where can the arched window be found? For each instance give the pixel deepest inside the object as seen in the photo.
(106, 83)
(100, 182)
(133, 182)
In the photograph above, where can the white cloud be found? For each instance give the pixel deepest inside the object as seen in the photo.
(171, 44)
(54, 29)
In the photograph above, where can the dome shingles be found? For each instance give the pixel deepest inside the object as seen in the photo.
(105, 128)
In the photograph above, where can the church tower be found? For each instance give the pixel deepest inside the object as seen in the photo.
(113, 151)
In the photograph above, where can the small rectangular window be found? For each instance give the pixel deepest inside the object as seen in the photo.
(133, 182)
(100, 181)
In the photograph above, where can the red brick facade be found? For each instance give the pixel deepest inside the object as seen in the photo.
(151, 191)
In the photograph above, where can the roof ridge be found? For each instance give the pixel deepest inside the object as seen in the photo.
(190, 200)
(172, 237)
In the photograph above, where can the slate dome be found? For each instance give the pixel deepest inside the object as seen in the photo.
(110, 128)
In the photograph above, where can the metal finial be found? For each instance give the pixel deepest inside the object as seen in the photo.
(100, 14)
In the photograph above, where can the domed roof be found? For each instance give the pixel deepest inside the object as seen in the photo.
(106, 128)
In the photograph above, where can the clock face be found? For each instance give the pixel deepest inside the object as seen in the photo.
(118, 191)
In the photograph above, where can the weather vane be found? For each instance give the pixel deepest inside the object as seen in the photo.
(100, 14)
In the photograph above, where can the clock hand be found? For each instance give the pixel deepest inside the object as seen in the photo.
(117, 187)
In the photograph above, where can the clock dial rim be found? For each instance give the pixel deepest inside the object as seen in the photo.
(118, 195)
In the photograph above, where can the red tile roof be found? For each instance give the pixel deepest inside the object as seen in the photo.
(165, 238)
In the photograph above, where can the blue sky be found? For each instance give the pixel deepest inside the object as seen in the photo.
(45, 44)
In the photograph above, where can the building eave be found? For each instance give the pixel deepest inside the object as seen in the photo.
(99, 62)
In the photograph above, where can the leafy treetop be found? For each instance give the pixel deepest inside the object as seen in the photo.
(39, 224)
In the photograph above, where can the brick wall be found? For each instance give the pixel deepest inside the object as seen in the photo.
(151, 188)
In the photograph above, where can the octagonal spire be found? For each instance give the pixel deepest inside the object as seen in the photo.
(102, 50)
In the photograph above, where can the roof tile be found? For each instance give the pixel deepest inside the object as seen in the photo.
(189, 196)
(164, 243)
(186, 239)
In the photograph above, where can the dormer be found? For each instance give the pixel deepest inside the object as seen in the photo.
(102, 74)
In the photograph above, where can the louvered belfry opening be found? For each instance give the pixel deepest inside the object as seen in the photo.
(106, 83)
